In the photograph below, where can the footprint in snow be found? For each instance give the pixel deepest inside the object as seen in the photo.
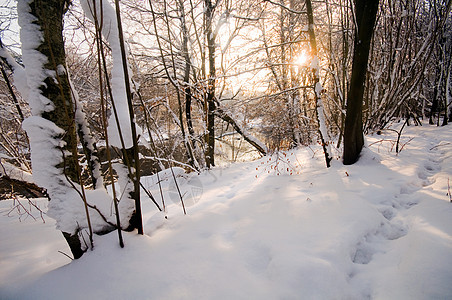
(432, 167)
(369, 245)
(387, 212)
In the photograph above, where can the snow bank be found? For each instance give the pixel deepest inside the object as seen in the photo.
(14, 172)
(379, 229)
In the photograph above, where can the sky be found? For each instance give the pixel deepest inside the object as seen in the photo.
(9, 28)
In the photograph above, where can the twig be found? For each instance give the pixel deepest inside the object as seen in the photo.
(161, 193)
(401, 148)
(297, 12)
(399, 134)
(40, 211)
(89, 205)
(439, 146)
(170, 161)
(178, 191)
(379, 141)
(150, 196)
(65, 255)
(22, 210)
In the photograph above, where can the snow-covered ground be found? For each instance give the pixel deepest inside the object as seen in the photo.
(277, 228)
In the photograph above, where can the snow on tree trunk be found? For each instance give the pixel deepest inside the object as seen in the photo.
(121, 136)
(51, 128)
(111, 34)
(320, 112)
(88, 143)
(315, 67)
(50, 143)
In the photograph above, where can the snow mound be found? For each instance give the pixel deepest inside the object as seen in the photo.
(283, 227)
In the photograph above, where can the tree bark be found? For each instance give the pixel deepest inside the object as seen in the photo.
(366, 12)
(49, 16)
(210, 151)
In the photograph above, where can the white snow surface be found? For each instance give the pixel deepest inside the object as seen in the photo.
(277, 228)
(19, 74)
(14, 172)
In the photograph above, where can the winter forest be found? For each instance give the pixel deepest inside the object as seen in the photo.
(225, 149)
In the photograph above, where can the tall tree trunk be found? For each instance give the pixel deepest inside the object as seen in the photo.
(365, 12)
(133, 153)
(187, 89)
(210, 159)
(51, 103)
(448, 95)
(446, 100)
(436, 91)
(315, 65)
(122, 129)
(188, 139)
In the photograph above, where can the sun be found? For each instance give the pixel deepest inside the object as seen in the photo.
(301, 59)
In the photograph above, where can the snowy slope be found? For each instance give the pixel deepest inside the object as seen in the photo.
(379, 229)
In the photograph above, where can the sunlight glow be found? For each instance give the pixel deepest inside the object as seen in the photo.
(301, 59)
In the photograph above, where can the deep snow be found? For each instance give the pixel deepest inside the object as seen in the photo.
(379, 229)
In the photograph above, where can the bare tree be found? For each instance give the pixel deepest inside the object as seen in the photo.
(320, 114)
(365, 16)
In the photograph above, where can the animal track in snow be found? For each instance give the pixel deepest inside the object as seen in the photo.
(432, 167)
(373, 241)
(392, 228)
(387, 212)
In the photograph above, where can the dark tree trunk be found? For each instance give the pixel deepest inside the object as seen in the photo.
(210, 159)
(187, 90)
(435, 101)
(366, 12)
(74, 244)
(49, 16)
(129, 155)
(446, 48)
(188, 101)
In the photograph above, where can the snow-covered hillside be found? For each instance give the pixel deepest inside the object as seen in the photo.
(278, 228)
